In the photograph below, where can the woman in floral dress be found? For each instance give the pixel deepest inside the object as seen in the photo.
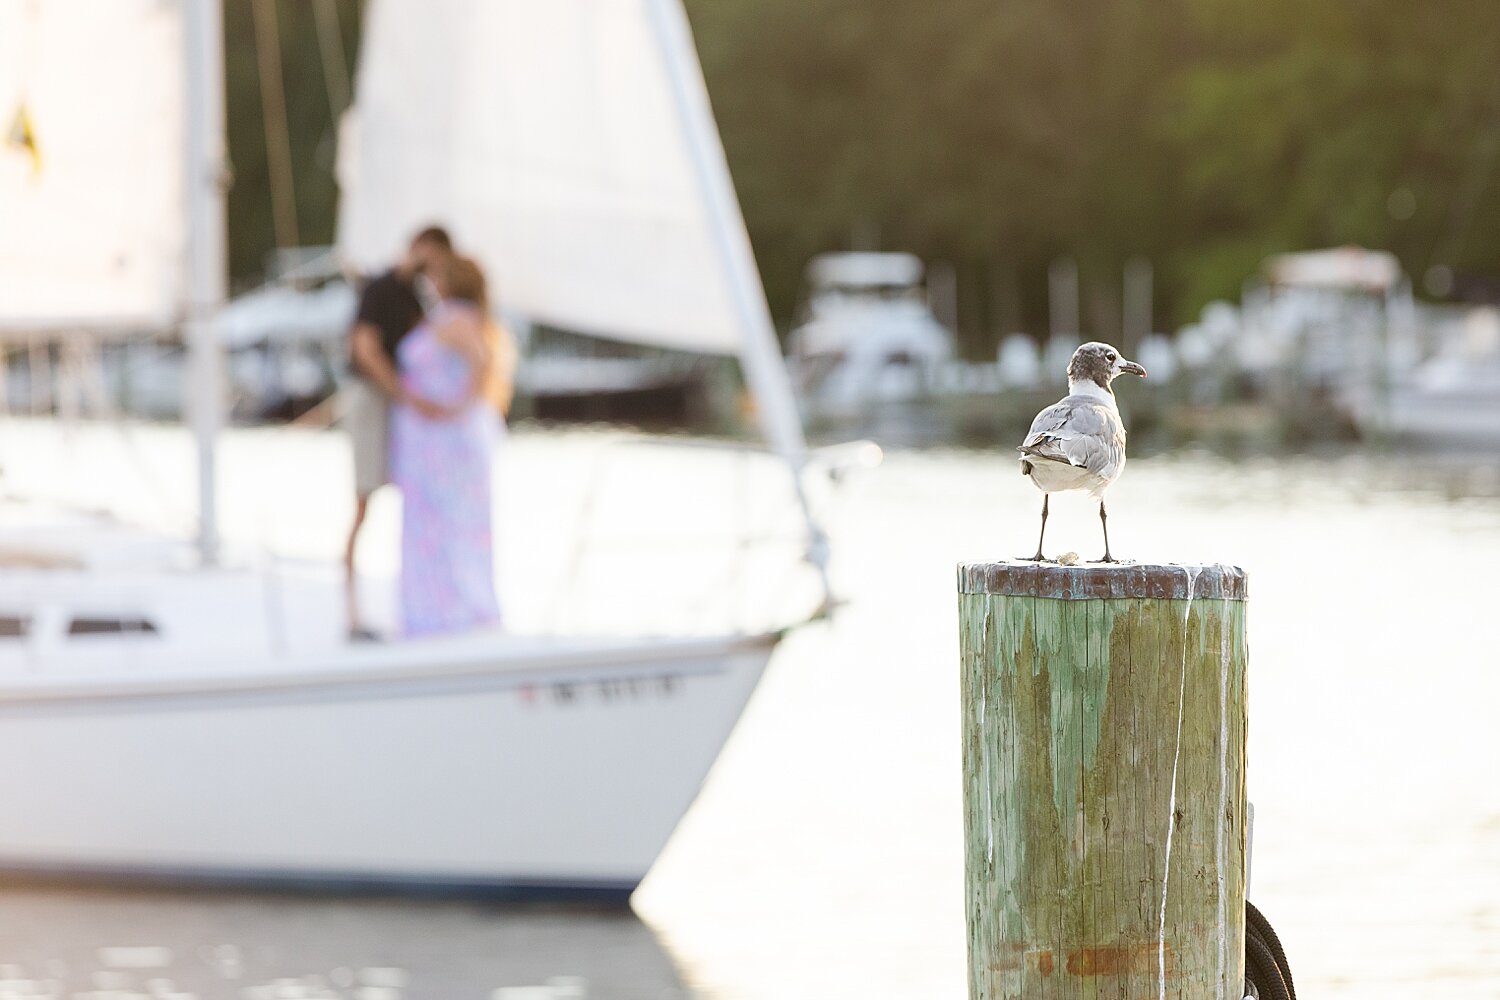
(455, 371)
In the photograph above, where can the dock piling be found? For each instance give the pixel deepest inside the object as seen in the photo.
(1104, 792)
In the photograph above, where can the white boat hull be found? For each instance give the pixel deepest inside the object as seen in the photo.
(479, 764)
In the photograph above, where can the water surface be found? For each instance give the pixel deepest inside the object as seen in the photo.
(823, 859)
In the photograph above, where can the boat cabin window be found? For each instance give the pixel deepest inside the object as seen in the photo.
(111, 626)
(15, 626)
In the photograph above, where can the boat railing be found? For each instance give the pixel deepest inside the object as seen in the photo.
(749, 570)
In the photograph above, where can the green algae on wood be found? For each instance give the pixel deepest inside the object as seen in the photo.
(1103, 768)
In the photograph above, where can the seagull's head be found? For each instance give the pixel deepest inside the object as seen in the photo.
(1100, 363)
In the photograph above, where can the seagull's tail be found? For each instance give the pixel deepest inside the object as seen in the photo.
(1034, 453)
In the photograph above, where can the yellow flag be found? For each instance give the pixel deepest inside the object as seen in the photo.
(22, 136)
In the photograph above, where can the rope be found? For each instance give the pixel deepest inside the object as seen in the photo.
(1268, 975)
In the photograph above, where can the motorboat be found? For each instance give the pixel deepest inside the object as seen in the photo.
(868, 337)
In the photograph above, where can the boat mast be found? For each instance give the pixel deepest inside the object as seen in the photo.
(760, 351)
(205, 173)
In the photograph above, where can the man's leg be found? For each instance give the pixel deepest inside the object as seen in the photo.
(366, 421)
(351, 579)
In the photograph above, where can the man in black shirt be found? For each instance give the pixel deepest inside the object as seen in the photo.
(388, 309)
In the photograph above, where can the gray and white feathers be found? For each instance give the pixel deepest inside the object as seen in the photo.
(1078, 443)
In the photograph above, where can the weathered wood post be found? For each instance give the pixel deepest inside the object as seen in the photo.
(1104, 789)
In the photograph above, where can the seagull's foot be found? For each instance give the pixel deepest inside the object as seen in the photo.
(1108, 559)
(1036, 558)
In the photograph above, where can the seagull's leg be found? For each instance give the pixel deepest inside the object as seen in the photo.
(1039, 557)
(1104, 523)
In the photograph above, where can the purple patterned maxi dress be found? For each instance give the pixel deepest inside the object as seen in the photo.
(443, 469)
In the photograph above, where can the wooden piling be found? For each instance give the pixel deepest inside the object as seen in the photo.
(1104, 791)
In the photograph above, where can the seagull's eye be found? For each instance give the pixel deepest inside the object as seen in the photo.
(1110, 358)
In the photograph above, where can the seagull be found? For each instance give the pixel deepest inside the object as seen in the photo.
(1078, 443)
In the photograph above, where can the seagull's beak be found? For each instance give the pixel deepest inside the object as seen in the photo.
(1132, 368)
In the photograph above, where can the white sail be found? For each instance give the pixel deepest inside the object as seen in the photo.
(92, 203)
(548, 138)
(570, 146)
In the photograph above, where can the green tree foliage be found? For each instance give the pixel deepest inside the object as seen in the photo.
(1202, 135)
(1371, 123)
(999, 135)
(310, 129)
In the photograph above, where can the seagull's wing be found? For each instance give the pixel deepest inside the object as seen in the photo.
(1077, 431)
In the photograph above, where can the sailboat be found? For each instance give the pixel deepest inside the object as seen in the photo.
(158, 728)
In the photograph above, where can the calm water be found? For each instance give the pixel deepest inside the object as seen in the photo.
(823, 859)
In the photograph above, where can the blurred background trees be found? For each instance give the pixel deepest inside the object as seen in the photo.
(1198, 135)
(310, 73)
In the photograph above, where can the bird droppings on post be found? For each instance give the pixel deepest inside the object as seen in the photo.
(1103, 778)
(1078, 443)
